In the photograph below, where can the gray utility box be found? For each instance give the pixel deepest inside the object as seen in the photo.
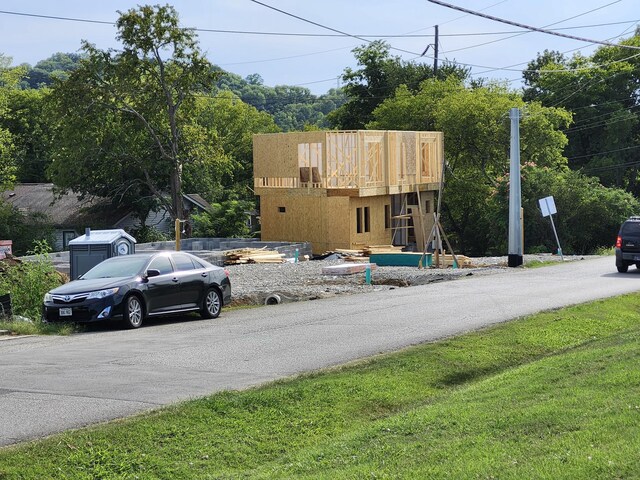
(88, 250)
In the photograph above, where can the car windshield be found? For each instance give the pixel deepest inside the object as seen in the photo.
(124, 266)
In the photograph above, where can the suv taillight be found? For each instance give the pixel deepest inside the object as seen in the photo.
(619, 242)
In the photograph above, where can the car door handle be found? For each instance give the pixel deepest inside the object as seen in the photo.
(204, 274)
(174, 279)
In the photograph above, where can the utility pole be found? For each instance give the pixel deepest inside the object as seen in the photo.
(515, 200)
(435, 54)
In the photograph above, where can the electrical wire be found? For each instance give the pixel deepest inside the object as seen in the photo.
(302, 34)
(529, 27)
(527, 32)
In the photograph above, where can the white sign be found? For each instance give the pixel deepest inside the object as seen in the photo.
(547, 206)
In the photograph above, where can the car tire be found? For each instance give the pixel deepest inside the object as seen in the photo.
(133, 312)
(211, 304)
(622, 268)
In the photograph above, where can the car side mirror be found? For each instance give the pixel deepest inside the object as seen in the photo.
(152, 272)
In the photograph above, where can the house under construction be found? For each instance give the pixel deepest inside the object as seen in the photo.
(347, 189)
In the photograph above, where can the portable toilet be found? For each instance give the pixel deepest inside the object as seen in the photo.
(88, 250)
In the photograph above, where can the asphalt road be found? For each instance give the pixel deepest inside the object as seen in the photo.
(51, 384)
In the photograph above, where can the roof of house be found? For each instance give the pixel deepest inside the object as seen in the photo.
(68, 210)
(198, 200)
(65, 211)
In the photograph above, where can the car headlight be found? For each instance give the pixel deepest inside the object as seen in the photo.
(48, 298)
(103, 293)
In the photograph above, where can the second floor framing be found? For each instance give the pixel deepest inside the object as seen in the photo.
(351, 163)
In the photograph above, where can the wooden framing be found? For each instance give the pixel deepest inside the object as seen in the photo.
(332, 188)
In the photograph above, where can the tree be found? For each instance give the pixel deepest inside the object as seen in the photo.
(28, 121)
(293, 108)
(232, 123)
(602, 93)
(57, 66)
(476, 132)
(381, 74)
(126, 126)
(9, 79)
(226, 219)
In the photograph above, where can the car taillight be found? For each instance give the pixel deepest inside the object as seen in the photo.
(226, 272)
(619, 242)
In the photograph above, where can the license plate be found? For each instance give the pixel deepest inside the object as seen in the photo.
(65, 312)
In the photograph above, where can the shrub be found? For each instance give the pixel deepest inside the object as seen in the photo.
(28, 281)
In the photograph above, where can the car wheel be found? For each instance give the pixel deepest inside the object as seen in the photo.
(622, 268)
(212, 304)
(133, 312)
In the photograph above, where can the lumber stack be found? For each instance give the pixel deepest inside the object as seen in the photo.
(369, 249)
(447, 261)
(250, 255)
(362, 255)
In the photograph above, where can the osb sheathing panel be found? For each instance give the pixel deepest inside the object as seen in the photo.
(310, 219)
(272, 157)
(276, 154)
(377, 235)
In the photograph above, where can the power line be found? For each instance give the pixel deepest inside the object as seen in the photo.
(604, 153)
(302, 34)
(526, 32)
(529, 27)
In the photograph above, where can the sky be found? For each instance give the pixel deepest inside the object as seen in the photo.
(316, 62)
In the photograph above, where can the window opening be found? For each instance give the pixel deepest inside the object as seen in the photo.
(367, 219)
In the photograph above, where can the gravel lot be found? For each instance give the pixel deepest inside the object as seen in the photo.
(254, 284)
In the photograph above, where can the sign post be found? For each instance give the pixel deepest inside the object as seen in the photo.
(548, 208)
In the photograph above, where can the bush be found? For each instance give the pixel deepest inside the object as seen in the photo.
(28, 281)
(23, 230)
(226, 219)
(146, 234)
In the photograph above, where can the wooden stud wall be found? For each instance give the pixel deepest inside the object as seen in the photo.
(350, 159)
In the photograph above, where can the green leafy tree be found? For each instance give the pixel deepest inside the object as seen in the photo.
(601, 91)
(381, 74)
(225, 219)
(23, 230)
(477, 133)
(292, 107)
(9, 79)
(231, 123)
(30, 126)
(45, 72)
(126, 126)
(589, 214)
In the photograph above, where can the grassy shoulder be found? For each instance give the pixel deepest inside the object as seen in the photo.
(554, 395)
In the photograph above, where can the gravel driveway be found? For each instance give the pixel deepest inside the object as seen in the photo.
(252, 284)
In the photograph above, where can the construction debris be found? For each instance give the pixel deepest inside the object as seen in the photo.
(347, 268)
(251, 255)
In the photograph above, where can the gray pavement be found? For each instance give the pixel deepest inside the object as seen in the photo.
(51, 384)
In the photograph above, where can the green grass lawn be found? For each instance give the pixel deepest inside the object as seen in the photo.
(555, 395)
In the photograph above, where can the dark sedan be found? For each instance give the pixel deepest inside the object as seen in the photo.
(134, 287)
